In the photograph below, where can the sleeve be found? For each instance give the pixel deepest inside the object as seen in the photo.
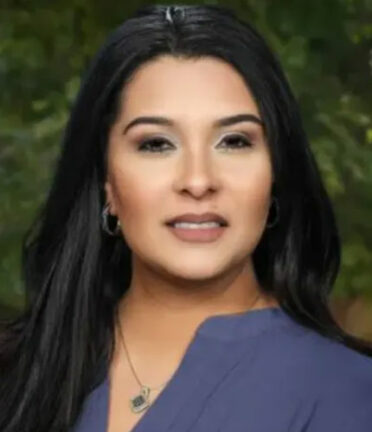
(345, 405)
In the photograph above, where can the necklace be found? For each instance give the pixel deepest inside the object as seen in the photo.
(141, 400)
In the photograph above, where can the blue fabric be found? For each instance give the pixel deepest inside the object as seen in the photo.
(258, 371)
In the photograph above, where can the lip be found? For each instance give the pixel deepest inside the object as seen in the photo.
(198, 235)
(193, 217)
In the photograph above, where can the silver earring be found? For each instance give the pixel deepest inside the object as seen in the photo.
(105, 222)
(276, 220)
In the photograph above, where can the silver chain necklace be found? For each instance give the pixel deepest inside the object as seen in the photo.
(141, 400)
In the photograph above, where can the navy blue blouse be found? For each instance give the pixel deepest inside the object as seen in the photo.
(259, 371)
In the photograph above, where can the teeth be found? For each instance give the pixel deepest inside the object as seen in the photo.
(196, 225)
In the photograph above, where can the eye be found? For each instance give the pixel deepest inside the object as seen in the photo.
(152, 145)
(155, 145)
(237, 141)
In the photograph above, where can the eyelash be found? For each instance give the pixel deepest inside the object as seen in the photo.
(145, 144)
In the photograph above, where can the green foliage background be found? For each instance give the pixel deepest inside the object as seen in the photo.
(324, 46)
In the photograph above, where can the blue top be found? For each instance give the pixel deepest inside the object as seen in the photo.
(259, 371)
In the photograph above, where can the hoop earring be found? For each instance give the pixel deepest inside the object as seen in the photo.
(276, 219)
(105, 222)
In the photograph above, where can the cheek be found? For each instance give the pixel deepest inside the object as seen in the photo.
(258, 193)
(254, 194)
(136, 195)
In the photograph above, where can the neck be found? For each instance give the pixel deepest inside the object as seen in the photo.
(158, 318)
(164, 311)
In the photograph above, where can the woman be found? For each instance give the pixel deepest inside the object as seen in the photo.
(179, 274)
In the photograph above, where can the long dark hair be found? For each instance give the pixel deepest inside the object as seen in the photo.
(55, 353)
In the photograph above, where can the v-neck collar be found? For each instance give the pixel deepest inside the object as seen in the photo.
(217, 347)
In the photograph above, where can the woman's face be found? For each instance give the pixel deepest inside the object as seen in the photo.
(197, 166)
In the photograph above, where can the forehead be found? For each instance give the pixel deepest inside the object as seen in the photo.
(205, 87)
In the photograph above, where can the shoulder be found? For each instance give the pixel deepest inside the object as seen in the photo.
(343, 401)
(325, 360)
(335, 379)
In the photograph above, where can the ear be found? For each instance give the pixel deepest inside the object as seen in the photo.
(110, 198)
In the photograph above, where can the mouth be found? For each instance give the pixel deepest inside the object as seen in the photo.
(197, 220)
(193, 227)
(197, 231)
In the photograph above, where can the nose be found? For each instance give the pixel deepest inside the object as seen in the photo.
(197, 173)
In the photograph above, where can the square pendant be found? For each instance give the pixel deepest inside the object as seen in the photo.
(139, 403)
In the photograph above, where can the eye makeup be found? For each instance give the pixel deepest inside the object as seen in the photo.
(231, 141)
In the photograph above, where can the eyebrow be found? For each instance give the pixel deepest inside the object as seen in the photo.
(225, 121)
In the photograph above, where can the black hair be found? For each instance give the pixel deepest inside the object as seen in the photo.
(55, 352)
